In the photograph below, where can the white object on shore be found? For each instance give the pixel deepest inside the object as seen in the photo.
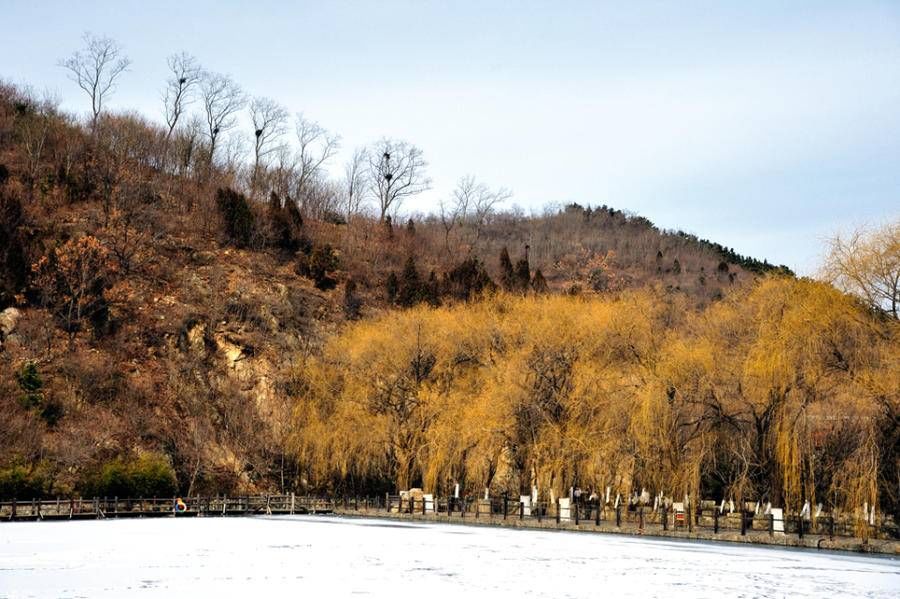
(778, 520)
(565, 511)
(456, 491)
(487, 493)
(526, 504)
(607, 493)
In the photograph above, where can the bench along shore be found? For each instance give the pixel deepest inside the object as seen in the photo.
(707, 522)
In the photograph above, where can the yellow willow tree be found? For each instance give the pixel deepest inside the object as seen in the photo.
(783, 391)
(786, 390)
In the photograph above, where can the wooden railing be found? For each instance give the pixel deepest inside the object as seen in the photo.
(704, 518)
(114, 507)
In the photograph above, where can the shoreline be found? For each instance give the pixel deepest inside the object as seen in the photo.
(876, 547)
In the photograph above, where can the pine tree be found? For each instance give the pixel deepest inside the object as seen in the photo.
(432, 291)
(523, 273)
(31, 383)
(539, 284)
(507, 275)
(392, 287)
(410, 292)
(352, 303)
(237, 216)
(467, 279)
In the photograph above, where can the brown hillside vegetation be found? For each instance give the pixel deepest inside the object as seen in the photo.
(176, 318)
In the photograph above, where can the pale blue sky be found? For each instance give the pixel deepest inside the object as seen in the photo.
(762, 125)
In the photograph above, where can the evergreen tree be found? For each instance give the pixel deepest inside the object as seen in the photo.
(352, 303)
(410, 227)
(467, 279)
(237, 216)
(410, 292)
(507, 275)
(392, 287)
(317, 265)
(31, 384)
(432, 291)
(388, 227)
(539, 284)
(523, 273)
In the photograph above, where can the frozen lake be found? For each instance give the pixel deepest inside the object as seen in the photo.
(283, 556)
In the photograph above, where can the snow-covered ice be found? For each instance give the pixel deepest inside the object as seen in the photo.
(274, 556)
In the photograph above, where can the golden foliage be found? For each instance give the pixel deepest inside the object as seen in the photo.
(633, 391)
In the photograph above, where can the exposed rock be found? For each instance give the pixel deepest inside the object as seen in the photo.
(9, 318)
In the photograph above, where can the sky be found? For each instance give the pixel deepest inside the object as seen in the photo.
(765, 126)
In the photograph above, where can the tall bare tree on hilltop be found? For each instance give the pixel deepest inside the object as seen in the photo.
(222, 99)
(185, 75)
(95, 69)
(354, 182)
(396, 172)
(269, 124)
(315, 146)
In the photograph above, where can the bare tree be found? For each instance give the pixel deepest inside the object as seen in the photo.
(477, 200)
(315, 146)
(269, 120)
(185, 75)
(867, 263)
(222, 99)
(95, 69)
(454, 212)
(396, 172)
(354, 182)
(36, 131)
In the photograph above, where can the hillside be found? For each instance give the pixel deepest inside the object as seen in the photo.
(160, 310)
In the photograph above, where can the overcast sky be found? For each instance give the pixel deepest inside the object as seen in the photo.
(762, 125)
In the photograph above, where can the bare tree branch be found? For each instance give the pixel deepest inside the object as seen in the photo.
(316, 147)
(185, 76)
(396, 172)
(222, 99)
(354, 182)
(95, 69)
(269, 123)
